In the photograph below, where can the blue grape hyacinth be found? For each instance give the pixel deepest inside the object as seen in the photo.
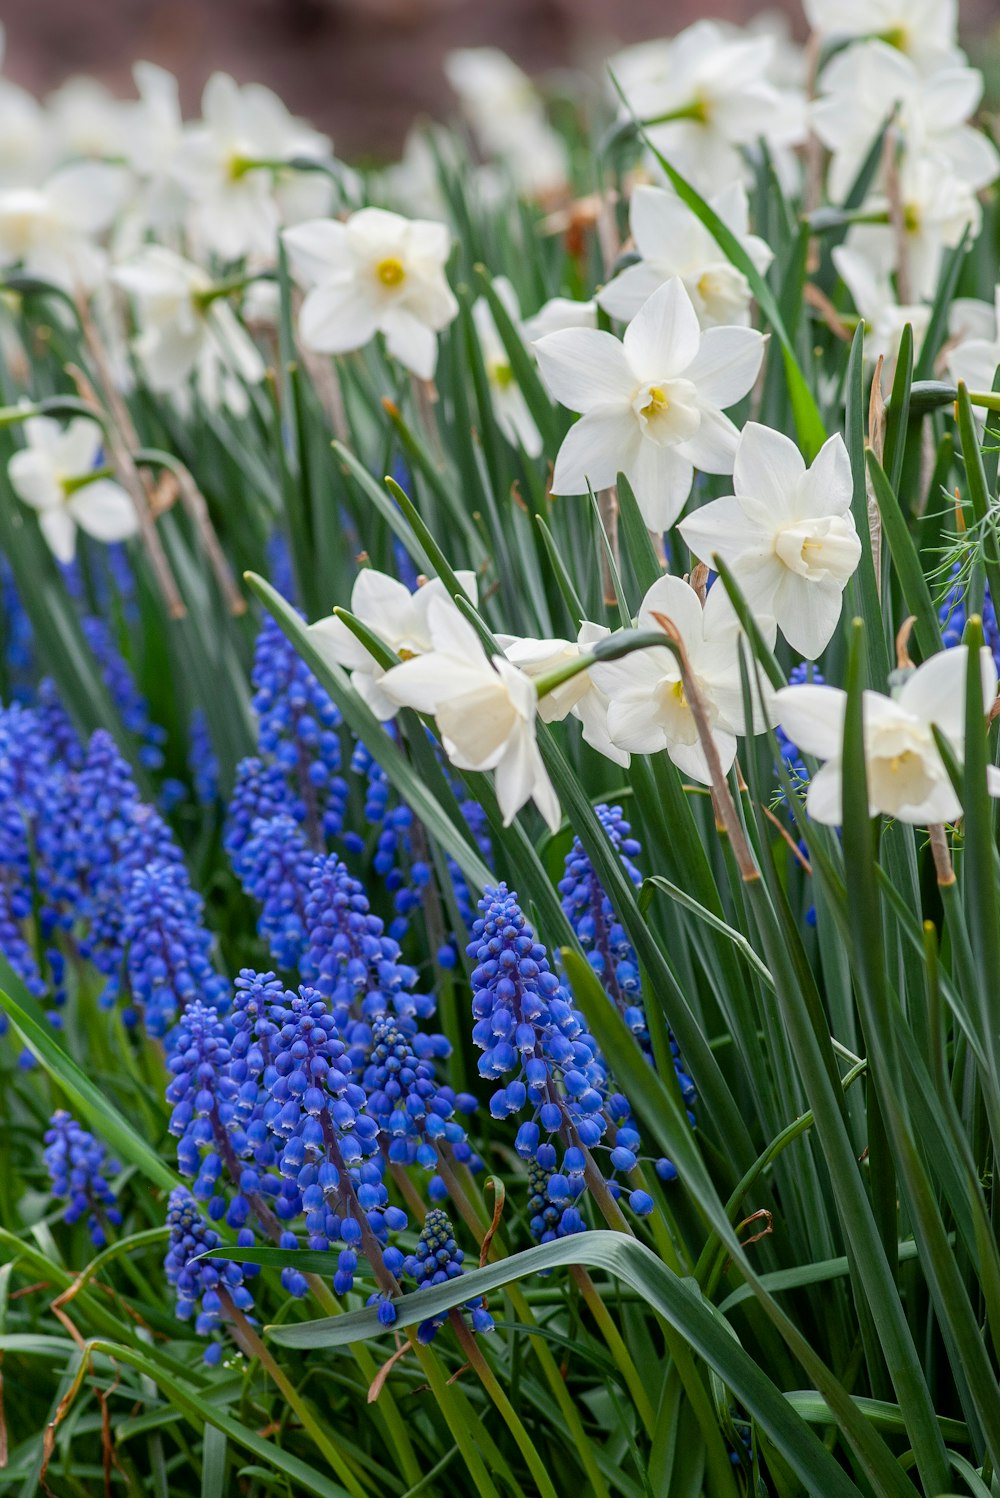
(78, 1167)
(437, 1259)
(201, 1287)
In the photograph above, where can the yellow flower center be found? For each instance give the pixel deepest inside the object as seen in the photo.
(901, 761)
(678, 691)
(391, 271)
(657, 402)
(503, 375)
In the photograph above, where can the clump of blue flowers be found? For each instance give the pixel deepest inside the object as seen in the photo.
(436, 1259)
(202, 1287)
(532, 1035)
(79, 1167)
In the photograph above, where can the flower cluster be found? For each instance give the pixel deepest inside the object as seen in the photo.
(437, 1259)
(78, 1167)
(532, 1034)
(209, 1290)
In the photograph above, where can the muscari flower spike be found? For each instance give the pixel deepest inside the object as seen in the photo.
(202, 1287)
(437, 1259)
(168, 949)
(78, 1166)
(531, 1032)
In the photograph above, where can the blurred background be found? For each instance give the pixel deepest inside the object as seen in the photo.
(361, 70)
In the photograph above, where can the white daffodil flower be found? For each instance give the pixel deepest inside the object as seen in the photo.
(400, 620)
(708, 96)
(151, 143)
(52, 231)
(557, 314)
(673, 241)
(508, 119)
(859, 89)
(236, 209)
(580, 696)
(651, 405)
(509, 405)
(868, 277)
(973, 360)
(649, 710)
(85, 120)
(938, 208)
(926, 31)
(182, 333)
(485, 711)
(907, 778)
(374, 273)
(787, 533)
(53, 476)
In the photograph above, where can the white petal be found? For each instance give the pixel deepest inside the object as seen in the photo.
(34, 480)
(410, 341)
(829, 486)
(663, 338)
(316, 250)
(712, 448)
(451, 632)
(60, 532)
(584, 368)
(823, 798)
(427, 681)
(602, 444)
(935, 692)
(335, 319)
(723, 526)
(335, 642)
(661, 478)
(767, 471)
(79, 446)
(727, 364)
(104, 511)
(679, 602)
(808, 613)
(813, 718)
(383, 603)
(625, 294)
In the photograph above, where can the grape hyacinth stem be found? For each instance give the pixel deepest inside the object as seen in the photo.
(252, 1347)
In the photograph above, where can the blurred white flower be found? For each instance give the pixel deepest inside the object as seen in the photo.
(974, 358)
(375, 273)
(53, 474)
(907, 778)
(925, 30)
(580, 696)
(508, 118)
(867, 276)
(787, 533)
(509, 405)
(651, 405)
(85, 119)
(397, 617)
(649, 710)
(707, 97)
(151, 142)
(185, 331)
(858, 90)
(235, 204)
(52, 231)
(672, 241)
(557, 314)
(485, 711)
(937, 210)
(24, 138)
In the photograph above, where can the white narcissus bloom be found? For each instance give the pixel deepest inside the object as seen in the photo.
(925, 30)
(860, 87)
(485, 711)
(52, 475)
(580, 696)
(509, 405)
(52, 231)
(709, 89)
(236, 209)
(974, 358)
(400, 620)
(907, 778)
(673, 241)
(651, 405)
(85, 119)
(649, 710)
(937, 210)
(787, 533)
(374, 273)
(181, 333)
